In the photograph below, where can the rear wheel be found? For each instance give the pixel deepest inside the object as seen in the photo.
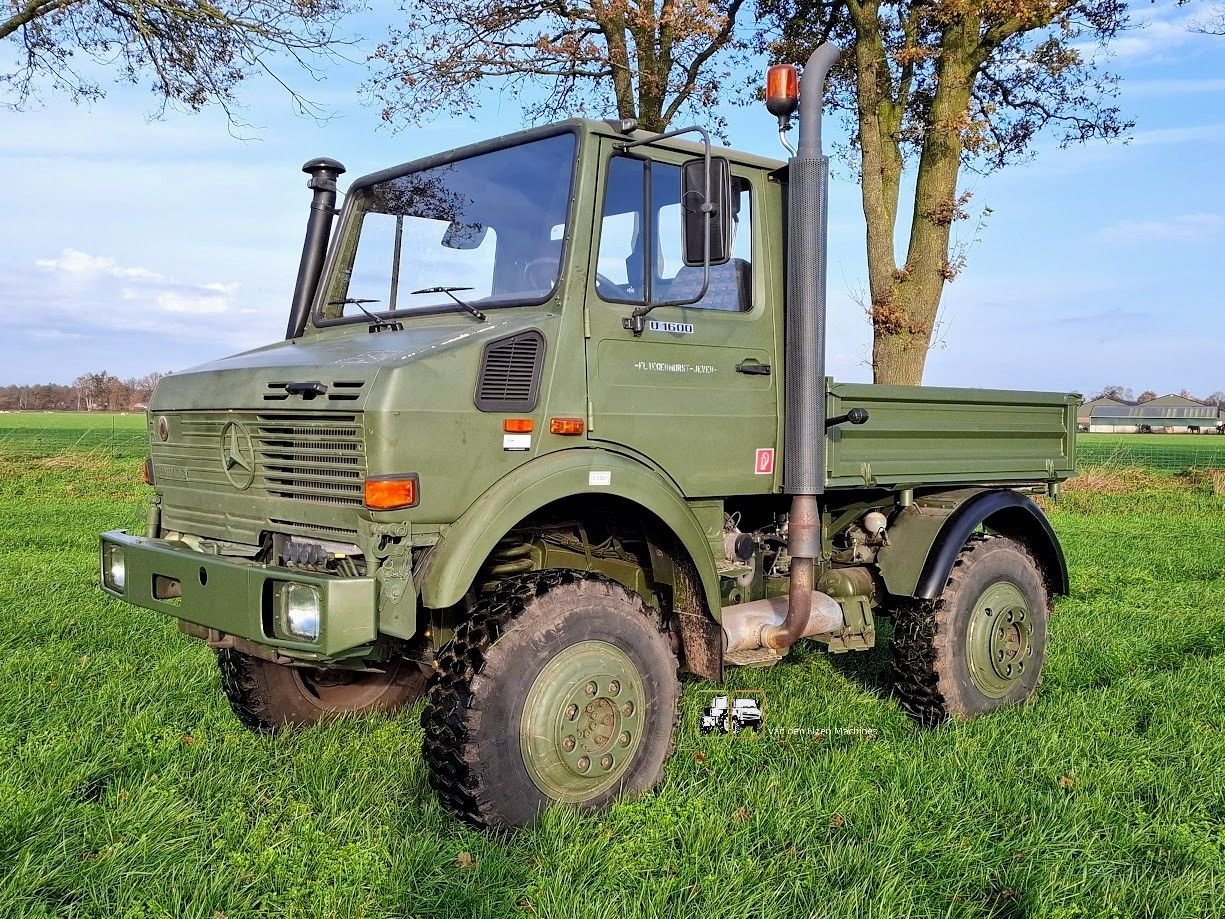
(561, 687)
(981, 645)
(266, 696)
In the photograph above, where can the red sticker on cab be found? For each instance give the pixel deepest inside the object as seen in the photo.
(765, 461)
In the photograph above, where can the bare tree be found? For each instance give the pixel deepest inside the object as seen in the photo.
(1147, 396)
(192, 53)
(651, 59)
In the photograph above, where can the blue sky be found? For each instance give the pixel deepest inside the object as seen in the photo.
(134, 245)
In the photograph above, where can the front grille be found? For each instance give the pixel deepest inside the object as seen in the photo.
(301, 456)
(306, 458)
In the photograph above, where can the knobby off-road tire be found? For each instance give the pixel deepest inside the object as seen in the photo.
(978, 647)
(267, 696)
(561, 687)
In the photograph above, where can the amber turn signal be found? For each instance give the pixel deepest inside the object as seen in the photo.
(567, 426)
(146, 471)
(518, 425)
(782, 90)
(391, 492)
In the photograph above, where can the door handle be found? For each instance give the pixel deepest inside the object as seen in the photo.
(754, 368)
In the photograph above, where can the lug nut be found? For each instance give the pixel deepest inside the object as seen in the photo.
(571, 712)
(568, 744)
(613, 688)
(591, 688)
(624, 739)
(606, 762)
(584, 763)
(627, 709)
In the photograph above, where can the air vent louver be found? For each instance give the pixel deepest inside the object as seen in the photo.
(509, 378)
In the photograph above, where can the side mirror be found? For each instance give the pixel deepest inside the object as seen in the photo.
(716, 220)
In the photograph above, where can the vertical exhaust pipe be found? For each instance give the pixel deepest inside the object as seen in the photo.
(323, 173)
(804, 399)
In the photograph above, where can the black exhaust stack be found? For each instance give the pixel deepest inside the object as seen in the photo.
(804, 447)
(323, 173)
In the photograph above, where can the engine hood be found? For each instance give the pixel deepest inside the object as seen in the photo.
(347, 362)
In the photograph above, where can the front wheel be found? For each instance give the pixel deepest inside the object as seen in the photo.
(561, 687)
(267, 696)
(978, 647)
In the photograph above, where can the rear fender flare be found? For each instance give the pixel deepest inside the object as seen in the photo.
(999, 511)
(452, 564)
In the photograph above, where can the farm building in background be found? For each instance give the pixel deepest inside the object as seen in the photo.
(1172, 414)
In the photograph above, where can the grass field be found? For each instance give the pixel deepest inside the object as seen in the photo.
(128, 789)
(1165, 452)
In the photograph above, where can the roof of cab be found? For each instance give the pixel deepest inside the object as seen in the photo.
(576, 125)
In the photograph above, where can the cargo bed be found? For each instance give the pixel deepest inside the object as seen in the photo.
(927, 434)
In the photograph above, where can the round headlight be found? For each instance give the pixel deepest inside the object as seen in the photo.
(163, 428)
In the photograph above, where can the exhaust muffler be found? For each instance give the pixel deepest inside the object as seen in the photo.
(750, 626)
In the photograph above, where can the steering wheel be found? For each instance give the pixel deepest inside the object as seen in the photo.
(540, 274)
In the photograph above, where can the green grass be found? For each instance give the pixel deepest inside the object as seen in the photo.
(128, 789)
(1163, 452)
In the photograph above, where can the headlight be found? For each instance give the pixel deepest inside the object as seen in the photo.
(113, 571)
(300, 607)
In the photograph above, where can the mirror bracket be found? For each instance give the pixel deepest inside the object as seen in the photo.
(635, 322)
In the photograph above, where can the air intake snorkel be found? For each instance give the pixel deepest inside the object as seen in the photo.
(323, 173)
(804, 400)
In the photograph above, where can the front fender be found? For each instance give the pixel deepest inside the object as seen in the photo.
(925, 540)
(451, 565)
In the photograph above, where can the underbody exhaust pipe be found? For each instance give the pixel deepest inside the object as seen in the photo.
(804, 445)
(323, 173)
(746, 625)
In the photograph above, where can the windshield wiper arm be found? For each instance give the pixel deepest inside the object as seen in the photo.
(472, 310)
(358, 301)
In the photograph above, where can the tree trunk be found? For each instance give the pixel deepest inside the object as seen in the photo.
(905, 301)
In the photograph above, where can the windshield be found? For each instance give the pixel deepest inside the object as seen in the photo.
(491, 226)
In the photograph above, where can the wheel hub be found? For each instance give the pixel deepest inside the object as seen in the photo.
(1000, 640)
(582, 721)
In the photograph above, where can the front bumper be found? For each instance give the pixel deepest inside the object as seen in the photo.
(236, 597)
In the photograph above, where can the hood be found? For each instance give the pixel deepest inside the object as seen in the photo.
(345, 362)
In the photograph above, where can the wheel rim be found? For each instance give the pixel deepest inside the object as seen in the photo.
(999, 646)
(582, 721)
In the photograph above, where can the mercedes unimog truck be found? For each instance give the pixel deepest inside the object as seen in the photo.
(550, 426)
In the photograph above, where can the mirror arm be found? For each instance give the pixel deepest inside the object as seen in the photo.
(636, 321)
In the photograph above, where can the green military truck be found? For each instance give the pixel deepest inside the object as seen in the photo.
(549, 427)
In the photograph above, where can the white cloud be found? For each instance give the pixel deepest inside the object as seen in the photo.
(1185, 135)
(76, 262)
(1158, 32)
(100, 295)
(210, 299)
(1180, 227)
(1172, 87)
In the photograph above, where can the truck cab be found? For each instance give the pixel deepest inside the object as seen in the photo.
(522, 451)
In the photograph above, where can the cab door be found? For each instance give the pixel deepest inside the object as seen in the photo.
(697, 392)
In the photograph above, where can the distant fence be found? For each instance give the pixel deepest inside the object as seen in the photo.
(125, 437)
(1161, 452)
(119, 439)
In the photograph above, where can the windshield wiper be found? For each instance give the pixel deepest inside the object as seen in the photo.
(472, 310)
(379, 322)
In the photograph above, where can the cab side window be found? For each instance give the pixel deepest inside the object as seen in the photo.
(641, 227)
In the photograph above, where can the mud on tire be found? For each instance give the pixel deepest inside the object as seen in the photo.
(980, 646)
(491, 771)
